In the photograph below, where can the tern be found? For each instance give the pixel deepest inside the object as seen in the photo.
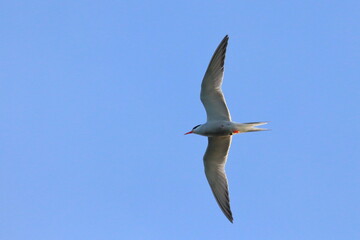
(219, 128)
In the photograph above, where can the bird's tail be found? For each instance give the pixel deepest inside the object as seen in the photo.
(252, 126)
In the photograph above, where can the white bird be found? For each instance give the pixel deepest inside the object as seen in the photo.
(219, 128)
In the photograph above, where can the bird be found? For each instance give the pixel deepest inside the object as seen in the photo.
(219, 128)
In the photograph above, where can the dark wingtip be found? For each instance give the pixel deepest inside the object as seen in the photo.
(226, 38)
(230, 217)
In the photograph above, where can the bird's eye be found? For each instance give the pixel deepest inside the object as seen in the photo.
(196, 126)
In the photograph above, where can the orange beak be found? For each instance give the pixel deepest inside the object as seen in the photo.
(188, 133)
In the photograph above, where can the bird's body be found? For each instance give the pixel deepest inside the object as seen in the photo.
(219, 128)
(226, 128)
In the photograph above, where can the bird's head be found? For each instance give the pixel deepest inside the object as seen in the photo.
(194, 130)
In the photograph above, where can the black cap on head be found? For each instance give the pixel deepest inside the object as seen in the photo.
(196, 126)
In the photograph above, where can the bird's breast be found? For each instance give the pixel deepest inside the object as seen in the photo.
(214, 129)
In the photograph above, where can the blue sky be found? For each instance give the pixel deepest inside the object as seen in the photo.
(95, 97)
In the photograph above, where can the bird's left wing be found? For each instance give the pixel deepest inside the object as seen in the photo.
(214, 161)
(211, 94)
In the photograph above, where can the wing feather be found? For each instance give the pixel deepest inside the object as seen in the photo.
(214, 161)
(211, 94)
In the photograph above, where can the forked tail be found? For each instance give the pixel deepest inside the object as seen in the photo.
(252, 126)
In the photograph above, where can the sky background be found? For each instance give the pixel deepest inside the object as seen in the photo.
(95, 97)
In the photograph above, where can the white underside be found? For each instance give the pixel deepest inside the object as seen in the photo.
(227, 128)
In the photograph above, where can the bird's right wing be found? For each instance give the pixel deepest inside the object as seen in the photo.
(211, 94)
(214, 161)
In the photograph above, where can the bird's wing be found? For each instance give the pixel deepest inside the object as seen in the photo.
(211, 94)
(214, 161)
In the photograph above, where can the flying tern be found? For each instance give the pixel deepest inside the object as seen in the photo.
(219, 128)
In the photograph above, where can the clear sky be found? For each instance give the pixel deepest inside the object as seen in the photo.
(95, 97)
